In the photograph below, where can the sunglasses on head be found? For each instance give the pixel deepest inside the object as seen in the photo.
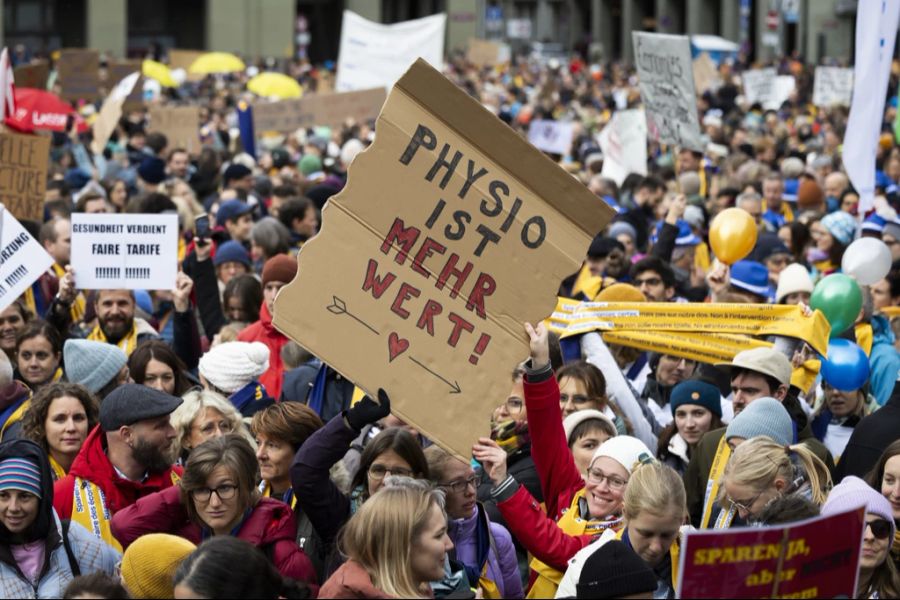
(881, 529)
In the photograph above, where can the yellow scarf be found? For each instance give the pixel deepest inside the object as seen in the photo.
(127, 344)
(90, 511)
(15, 417)
(79, 306)
(266, 491)
(56, 469)
(864, 336)
(723, 453)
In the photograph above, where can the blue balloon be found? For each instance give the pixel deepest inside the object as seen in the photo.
(847, 366)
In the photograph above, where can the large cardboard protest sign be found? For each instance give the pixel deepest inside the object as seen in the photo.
(118, 71)
(23, 174)
(706, 76)
(22, 259)
(624, 145)
(666, 79)
(32, 75)
(376, 55)
(485, 53)
(134, 252)
(554, 137)
(180, 124)
(111, 111)
(817, 558)
(183, 59)
(78, 74)
(451, 232)
(330, 110)
(833, 85)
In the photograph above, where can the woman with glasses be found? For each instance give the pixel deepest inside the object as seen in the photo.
(580, 505)
(484, 548)
(202, 416)
(836, 414)
(393, 452)
(218, 496)
(760, 471)
(878, 576)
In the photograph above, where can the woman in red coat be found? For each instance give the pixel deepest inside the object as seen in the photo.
(218, 496)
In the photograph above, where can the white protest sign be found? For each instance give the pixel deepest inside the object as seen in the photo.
(624, 145)
(759, 85)
(125, 251)
(22, 259)
(781, 91)
(833, 85)
(374, 55)
(554, 137)
(666, 76)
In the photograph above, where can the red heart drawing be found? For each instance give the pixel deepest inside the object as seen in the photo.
(396, 345)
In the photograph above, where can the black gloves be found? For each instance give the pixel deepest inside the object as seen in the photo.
(368, 411)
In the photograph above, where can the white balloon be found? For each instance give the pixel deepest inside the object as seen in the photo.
(868, 260)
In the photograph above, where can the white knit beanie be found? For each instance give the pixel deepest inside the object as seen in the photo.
(580, 416)
(794, 278)
(232, 365)
(625, 450)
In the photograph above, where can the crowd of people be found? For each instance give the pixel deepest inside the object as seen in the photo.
(175, 444)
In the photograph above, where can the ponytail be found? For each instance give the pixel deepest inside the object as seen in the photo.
(655, 488)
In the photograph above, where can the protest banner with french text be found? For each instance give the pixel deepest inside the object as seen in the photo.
(22, 259)
(23, 174)
(134, 252)
(666, 79)
(452, 231)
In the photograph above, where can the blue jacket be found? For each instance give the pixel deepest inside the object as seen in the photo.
(884, 360)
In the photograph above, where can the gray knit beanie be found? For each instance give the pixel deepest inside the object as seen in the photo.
(92, 364)
(765, 416)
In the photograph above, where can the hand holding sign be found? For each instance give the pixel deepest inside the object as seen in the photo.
(367, 411)
(492, 457)
(182, 293)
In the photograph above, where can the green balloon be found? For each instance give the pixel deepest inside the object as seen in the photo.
(839, 298)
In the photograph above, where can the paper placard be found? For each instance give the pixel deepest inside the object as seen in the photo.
(554, 137)
(330, 110)
(817, 558)
(484, 53)
(22, 259)
(180, 124)
(666, 80)
(33, 75)
(78, 74)
(833, 85)
(375, 55)
(624, 145)
(450, 233)
(23, 174)
(133, 252)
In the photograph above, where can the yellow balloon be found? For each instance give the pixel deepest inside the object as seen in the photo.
(732, 235)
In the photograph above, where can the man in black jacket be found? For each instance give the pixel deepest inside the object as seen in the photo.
(870, 438)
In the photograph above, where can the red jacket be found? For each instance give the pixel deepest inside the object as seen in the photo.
(93, 465)
(263, 331)
(351, 581)
(536, 530)
(270, 526)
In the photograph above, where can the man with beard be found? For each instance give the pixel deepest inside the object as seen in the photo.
(116, 323)
(123, 459)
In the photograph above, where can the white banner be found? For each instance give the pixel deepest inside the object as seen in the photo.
(374, 55)
(554, 137)
(833, 85)
(22, 259)
(876, 31)
(127, 251)
(624, 145)
(766, 87)
(666, 76)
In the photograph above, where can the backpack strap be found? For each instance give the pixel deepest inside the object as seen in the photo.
(73, 562)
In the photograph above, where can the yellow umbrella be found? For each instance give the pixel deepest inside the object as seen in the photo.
(159, 72)
(275, 85)
(217, 62)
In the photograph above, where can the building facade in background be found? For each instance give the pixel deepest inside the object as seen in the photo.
(815, 29)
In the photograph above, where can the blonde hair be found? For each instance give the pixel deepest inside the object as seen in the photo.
(438, 459)
(759, 461)
(655, 488)
(380, 536)
(195, 402)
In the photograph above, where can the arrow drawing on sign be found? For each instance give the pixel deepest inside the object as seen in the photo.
(454, 387)
(339, 307)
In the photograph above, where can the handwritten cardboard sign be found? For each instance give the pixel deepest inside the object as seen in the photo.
(33, 75)
(22, 259)
(183, 59)
(833, 85)
(23, 174)
(108, 119)
(485, 53)
(180, 124)
(451, 232)
(134, 252)
(666, 81)
(331, 110)
(817, 558)
(706, 76)
(78, 74)
(119, 70)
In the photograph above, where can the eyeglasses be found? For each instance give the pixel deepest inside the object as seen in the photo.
(742, 505)
(514, 405)
(224, 492)
(460, 486)
(651, 281)
(881, 529)
(225, 427)
(615, 483)
(379, 472)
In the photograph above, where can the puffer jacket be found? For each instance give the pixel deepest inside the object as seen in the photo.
(270, 526)
(263, 331)
(884, 360)
(91, 554)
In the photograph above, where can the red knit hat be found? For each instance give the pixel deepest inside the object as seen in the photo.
(281, 268)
